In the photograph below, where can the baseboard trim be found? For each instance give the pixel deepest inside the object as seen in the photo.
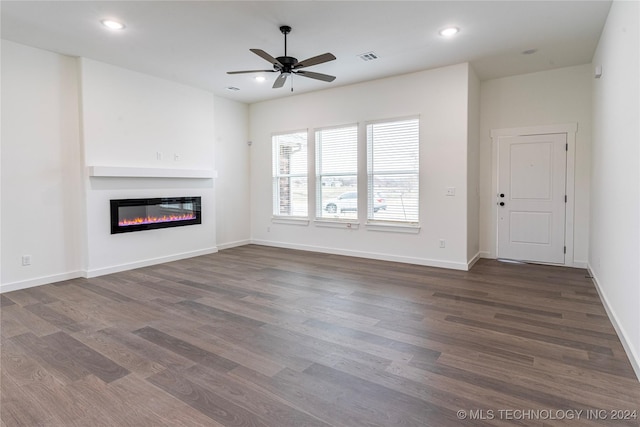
(473, 260)
(579, 264)
(229, 245)
(38, 281)
(147, 262)
(369, 255)
(634, 358)
(486, 255)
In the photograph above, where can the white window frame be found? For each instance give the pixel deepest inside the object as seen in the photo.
(373, 224)
(323, 220)
(276, 176)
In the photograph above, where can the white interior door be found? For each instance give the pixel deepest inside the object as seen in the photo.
(531, 197)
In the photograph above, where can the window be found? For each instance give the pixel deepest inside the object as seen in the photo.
(337, 172)
(290, 192)
(393, 170)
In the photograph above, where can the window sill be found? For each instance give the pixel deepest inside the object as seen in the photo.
(290, 220)
(393, 228)
(336, 224)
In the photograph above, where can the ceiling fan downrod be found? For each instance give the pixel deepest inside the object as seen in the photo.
(285, 29)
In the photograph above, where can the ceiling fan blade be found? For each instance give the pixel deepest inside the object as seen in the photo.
(325, 57)
(317, 76)
(280, 80)
(251, 71)
(264, 55)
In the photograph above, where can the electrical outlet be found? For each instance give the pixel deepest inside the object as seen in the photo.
(176, 157)
(442, 243)
(158, 155)
(451, 191)
(268, 229)
(26, 260)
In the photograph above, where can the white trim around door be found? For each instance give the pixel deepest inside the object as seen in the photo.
(570, 130)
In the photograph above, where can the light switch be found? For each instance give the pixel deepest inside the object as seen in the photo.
(451, 191)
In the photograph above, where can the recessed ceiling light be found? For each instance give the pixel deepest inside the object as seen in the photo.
(261, 78)
(449, 31)
(112, 25)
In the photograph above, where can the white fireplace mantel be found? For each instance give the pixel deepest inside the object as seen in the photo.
(135, 172)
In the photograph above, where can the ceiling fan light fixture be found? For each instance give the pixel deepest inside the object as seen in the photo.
(449, 31)
(112, 25)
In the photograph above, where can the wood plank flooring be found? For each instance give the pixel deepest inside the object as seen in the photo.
(258, 336)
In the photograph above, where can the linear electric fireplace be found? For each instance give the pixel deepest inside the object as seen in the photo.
(147, 214)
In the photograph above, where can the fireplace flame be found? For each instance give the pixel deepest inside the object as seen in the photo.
(155, 219)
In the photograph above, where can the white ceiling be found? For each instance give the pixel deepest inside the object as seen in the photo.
(196, 42)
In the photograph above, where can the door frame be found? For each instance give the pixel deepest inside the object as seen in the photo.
(569, 129)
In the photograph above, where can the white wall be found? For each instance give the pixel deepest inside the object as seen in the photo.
(615, 191)
(127, 118)
(62, 114)
(233, 217)
(473, 168)
(41, 193)
(549, 97)
(440, 97)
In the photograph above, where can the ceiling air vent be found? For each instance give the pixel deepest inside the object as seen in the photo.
(369, 56)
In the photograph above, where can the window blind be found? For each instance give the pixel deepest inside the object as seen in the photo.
(393, 171)
(290, 193)
(337, 172)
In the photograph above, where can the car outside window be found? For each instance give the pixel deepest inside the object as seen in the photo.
(393, 171)
(337, 172)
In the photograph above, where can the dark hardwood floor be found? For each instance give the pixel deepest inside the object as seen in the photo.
(257, 336)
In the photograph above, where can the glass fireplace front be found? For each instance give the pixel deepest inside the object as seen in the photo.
(129, 215)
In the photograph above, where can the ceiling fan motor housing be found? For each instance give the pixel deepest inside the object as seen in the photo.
(288, 62)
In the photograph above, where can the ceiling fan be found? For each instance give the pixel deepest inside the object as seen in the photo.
(288, 65)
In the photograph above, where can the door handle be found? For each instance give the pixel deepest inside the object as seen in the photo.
(501, 195)
(501, 203)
